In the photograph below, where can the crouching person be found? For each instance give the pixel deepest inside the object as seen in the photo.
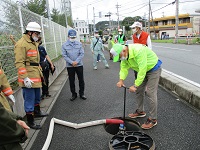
(148, 67)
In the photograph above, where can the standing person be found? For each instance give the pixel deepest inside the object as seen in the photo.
(29, 72)
(6, 91)
(73, 54)
(45, 63)
(13, 130)
(97, 48)
(143, 60)
(139, 36)
(121, 38)
(110, 44)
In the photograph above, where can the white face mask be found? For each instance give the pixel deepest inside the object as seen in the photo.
(35, 38)
(96, 35)
(134, 30)
(72, 40)
(120, 33)
(123, 58)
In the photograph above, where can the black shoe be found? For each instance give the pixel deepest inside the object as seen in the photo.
(83, 97)
(31, 123)
(40, 114)
(73, 97)
(42, 97)
(34, 126)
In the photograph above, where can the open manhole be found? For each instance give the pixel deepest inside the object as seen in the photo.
(131, 140)
(130, 124)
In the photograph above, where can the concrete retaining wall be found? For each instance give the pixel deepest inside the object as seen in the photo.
(183, 88)
(19, 105)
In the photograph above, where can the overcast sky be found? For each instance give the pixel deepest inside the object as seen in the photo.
(129, 8)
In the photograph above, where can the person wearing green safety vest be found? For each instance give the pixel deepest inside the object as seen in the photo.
(110, 44)
(142, 59)
(121, 39)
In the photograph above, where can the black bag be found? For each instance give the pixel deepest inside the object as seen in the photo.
(45, 65)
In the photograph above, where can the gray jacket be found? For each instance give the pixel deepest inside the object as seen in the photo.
(72, 51)
(99, 45)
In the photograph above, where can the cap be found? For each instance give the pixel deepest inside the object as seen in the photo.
(96, 31)
(120, 30)
(115, 51)
(71, 33)
(136, 24)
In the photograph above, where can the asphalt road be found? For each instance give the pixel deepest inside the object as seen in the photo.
(178, 124)
(181, 59)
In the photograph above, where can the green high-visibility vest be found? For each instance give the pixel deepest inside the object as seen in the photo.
(120, 39)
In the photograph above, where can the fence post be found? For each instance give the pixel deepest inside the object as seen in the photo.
(54, 37)
(60, 36)
(21, 20)
(44, 41)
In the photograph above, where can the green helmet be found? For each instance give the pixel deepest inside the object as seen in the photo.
(115, 51)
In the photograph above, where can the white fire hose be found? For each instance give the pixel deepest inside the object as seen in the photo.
(76, 126)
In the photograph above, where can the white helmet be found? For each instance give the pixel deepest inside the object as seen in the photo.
(136, 24)
(33, 26)
(120, 30)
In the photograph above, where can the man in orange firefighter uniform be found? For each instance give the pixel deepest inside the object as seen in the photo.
(30, 76)
(6, 91)
(13, 130)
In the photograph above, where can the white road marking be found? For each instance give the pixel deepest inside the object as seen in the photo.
(174, 48)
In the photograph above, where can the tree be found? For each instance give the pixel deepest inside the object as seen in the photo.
(38, 7)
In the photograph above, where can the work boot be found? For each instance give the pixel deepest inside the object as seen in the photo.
(83, 97)
(74, 96)
(31, 123)
(38, 112)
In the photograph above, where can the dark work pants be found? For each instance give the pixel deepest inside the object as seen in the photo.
(79, 72)
(45, 88)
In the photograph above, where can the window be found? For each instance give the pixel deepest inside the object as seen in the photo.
(83, 30)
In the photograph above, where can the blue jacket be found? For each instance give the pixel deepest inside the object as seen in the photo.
(72, 51)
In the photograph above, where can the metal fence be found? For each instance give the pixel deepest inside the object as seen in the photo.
(13, 21)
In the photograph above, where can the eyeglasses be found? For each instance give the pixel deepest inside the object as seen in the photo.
(37, 33)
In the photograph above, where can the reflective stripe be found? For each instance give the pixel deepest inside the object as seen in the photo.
(1, 72)
(7, 91)
(33, 79)
(32, 53)
(22, 71)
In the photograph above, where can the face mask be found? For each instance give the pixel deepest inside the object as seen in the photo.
(120, 33)
(134, 30)
(72, 40)
(96, 35)
(35, 38)
(123, 58)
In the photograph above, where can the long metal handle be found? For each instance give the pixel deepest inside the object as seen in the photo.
(124, 101)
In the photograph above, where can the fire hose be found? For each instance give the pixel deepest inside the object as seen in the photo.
(76, 126)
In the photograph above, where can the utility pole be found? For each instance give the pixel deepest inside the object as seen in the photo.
(118, 6)
(145, 22)
(177, 21)
(155, 37)
(93, 20)
(48, 10)
(109, 14)
(149, 19)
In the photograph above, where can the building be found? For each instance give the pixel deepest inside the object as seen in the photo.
(164, 27)
(82, 28)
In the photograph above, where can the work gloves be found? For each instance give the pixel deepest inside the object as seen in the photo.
(12, 98)
(28, 82)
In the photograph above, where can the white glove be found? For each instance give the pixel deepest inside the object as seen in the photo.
(28, 82)
(12, 98)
